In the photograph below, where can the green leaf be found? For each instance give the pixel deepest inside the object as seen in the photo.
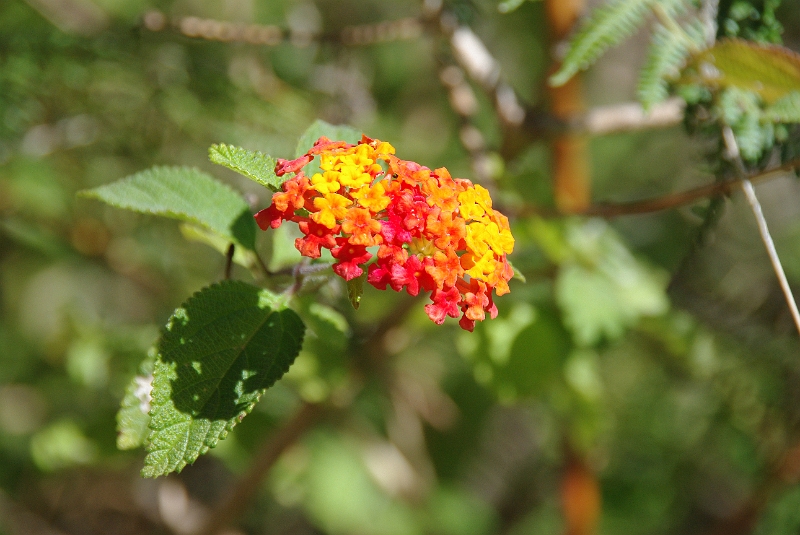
(785, 110)
(607, 26)
(771, 71)
(244, 257)
(332, 132)
(355, 288)
(604, 289)
(255, 165)
(218, 354)
(133, 415)
(185, 194)
(667, 55)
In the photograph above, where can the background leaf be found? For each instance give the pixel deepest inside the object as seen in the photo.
(255, 165)
(667, 55)
(321, 128)
(785, 110)
(771, 71)
(217, 355)
(607, 26)
(133, 415)
(185, 194)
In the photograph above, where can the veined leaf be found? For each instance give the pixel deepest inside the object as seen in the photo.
(321, 128)
(133, 415)
(785, 110)
(218, 354)
(607, 26)
(255, 165)
(771, 71)
(185, 194)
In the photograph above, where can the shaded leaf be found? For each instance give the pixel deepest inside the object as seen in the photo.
(244, 257)
(355, 288)
(218, 354)
(185, 194)
(255, 165)
(133, 415)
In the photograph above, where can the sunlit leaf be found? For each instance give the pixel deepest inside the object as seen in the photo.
(255, 165)
(185, 194)
(218, 354)
(771, 71)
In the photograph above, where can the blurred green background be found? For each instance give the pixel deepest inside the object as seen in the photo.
(638, 359)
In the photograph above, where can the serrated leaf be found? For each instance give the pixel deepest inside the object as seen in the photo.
(607, 26)
(133, 415)
(321, 128)
(255, 165)
(185, 194)
(218, 354)
(785, 110)
(771, 71)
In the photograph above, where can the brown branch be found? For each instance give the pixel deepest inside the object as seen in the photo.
(674, 200)
(273, 35)
(571, 172)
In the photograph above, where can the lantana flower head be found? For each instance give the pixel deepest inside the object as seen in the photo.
(421, 229)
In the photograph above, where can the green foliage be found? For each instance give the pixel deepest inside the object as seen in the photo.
(745, 19)
(772, 72)
(133, 416)
(255, 165)
(217, 355)
(185, 194)
(601, 288)
(320, 128)
(606, 27)
(665, 59)
(421, 440)
(784, 110)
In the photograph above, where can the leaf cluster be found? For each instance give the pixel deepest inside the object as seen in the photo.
(229, 342)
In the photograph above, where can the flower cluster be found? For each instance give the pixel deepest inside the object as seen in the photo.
(428, 231)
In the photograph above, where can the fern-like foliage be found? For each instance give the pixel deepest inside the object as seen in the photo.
(606, 27)
(667, 55)
(785, 110)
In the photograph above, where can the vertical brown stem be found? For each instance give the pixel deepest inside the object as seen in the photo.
(571, 173)
(580, 497)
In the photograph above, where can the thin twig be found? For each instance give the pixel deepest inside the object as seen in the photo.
(239, 497)
(766, 237)
(229, 261)
(666, 202)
